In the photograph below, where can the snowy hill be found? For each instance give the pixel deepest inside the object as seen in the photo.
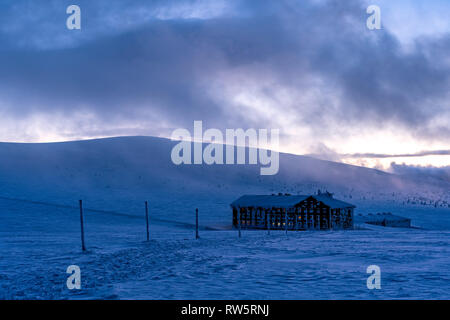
(40, 228)
(118, 174)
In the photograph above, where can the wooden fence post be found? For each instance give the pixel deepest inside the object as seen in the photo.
(83, 247)
(196, 224)
(146, 219)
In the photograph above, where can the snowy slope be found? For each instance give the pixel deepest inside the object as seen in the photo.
(40, 185)
(118, 174)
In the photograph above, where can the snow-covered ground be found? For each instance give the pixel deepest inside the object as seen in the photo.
(40, 237)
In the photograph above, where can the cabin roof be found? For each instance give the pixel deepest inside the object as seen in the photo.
(379, 217)
(286, 201)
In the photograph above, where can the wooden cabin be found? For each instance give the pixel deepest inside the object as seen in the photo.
(292, 212)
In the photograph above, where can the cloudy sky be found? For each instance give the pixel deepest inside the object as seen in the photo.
(308, 67)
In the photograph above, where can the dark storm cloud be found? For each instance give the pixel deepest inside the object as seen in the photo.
(123, 65)
(399, 155)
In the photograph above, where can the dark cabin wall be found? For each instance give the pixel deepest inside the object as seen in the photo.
(309, 215)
